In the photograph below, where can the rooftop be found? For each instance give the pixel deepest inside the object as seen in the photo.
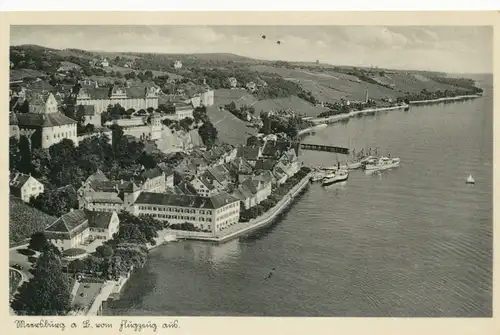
(193, 201)
(44, 120)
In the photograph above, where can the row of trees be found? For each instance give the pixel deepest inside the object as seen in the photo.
(427, 95)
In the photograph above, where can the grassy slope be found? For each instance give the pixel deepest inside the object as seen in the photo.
(230, 129)
(25, 220)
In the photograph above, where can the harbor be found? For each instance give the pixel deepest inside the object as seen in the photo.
(374, 242)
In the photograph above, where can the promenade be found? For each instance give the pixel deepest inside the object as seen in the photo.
(243, 228)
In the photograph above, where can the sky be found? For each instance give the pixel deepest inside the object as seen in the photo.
(454, 49)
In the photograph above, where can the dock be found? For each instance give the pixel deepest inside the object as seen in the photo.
(327, 148)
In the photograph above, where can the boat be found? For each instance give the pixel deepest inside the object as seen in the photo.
(383, 163)
(470, 180)
(354, 165)
(317, 176)
(337, 177)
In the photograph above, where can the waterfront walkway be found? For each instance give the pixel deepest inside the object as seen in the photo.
(242, 228)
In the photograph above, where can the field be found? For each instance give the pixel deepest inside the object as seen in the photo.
(230, 129)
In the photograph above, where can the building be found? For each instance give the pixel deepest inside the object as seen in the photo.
(178, 65)
(144, 128)
(203, 186)
(24, 186)
(103, 225)
(127, 97)
(232, 82)
(91, 117)
(49, 126)
(251, 86)
(98, 193)
(69, 231)
(250, 153)
(179, 111)
(13, 125)
(210, 214)
(254, 190)
(169, 174)
(153, 180)
(207, 98)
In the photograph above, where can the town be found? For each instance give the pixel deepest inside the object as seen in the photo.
(111, 155)
(90, 183)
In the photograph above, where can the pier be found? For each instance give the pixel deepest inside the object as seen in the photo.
(327, 148)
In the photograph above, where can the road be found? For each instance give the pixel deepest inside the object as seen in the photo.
(17, 258)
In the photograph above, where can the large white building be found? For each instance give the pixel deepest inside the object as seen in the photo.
(212, 214)
(127, 97)
(49, 126)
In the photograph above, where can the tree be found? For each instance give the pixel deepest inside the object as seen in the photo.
(76, 266)
(38, 242)
(13, 153)
(104, 251)
(208, 134)
(24, 164)
(47, 293)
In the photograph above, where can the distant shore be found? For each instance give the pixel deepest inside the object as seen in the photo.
(458, 97)
(339, 117)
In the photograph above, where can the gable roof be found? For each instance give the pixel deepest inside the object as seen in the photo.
(265, 164)
(152, 173)
(98, 219)
(17, 179)
(104, 197)
(70, 223)
(43, 120)
(250, 153)
(192, 201)
(205, 180)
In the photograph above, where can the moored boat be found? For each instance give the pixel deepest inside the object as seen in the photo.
(383, 163)
(337, 177)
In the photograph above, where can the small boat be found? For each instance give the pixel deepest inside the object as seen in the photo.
(337, 177)
(470, 180)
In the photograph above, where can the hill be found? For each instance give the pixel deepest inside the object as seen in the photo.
(25, 220)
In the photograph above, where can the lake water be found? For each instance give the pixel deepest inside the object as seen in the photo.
(414, 241)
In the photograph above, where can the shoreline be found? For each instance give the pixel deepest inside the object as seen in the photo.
(457, 98)
(340, 117)
(240, 228)
(115, 287)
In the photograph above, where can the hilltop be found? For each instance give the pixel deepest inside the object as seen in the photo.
(306, 88)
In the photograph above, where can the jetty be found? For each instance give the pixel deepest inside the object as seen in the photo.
(327, 148)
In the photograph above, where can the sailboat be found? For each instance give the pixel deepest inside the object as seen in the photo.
(470, 180)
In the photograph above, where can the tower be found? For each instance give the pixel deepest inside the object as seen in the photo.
(156, 126)
(366, 95)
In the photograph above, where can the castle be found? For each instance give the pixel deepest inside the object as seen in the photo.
(128, 97)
